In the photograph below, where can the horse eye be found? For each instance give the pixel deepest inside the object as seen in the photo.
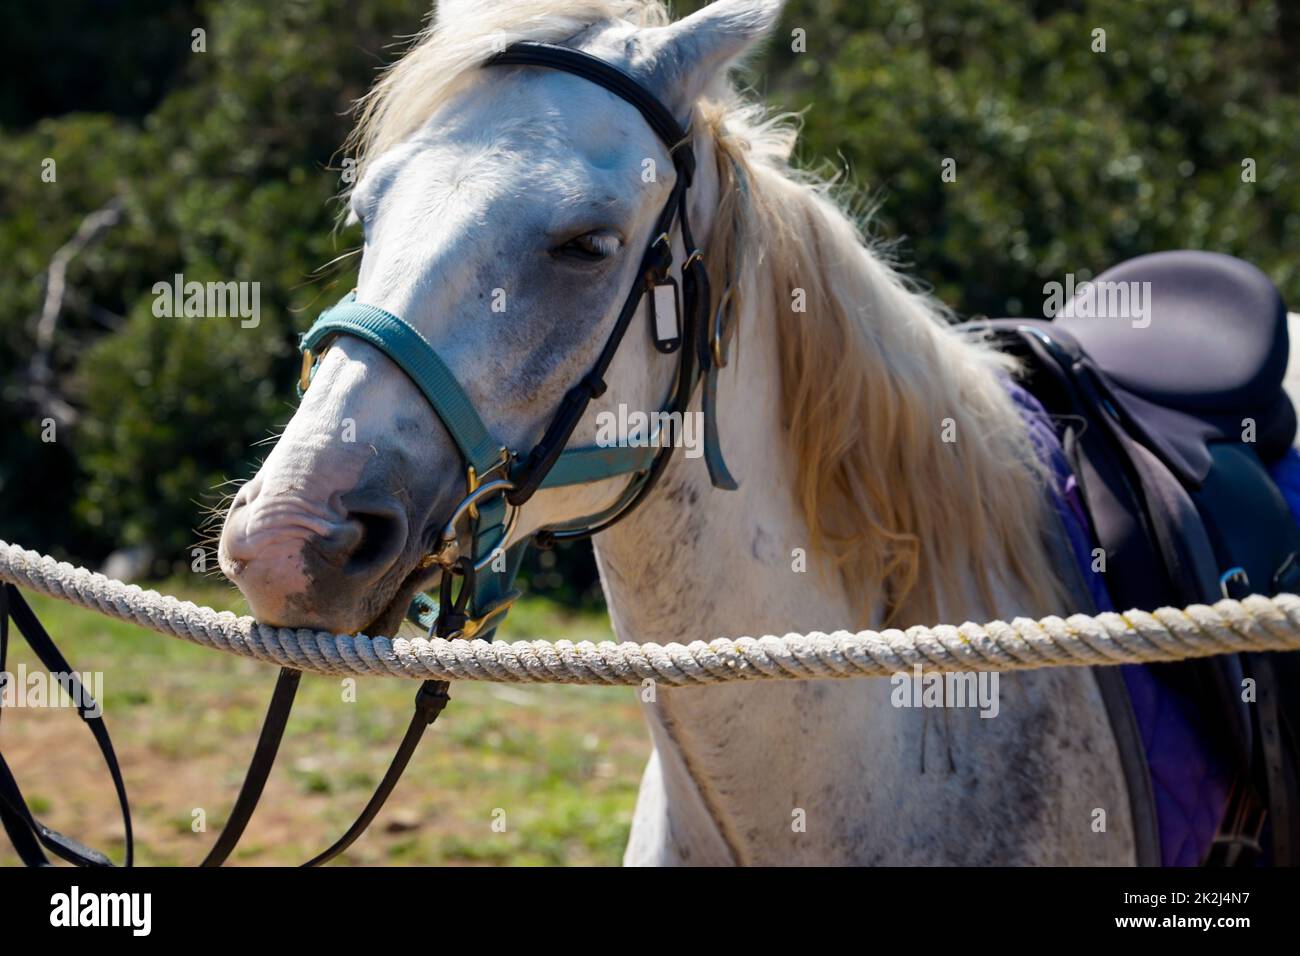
(590, 246)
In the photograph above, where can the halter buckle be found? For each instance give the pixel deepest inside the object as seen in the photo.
(454, 622)
(660, 256)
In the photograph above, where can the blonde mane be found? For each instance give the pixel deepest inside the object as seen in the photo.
(915, 474)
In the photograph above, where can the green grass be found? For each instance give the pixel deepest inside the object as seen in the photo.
(558, 766)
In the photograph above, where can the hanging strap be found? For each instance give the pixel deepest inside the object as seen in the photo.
(429, 703)
(26, 832)
(14, 815)
(719, 474)
(259, 768)
(31, 838)
(430, 700)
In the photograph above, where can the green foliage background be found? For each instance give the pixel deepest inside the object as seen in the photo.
(225, 161)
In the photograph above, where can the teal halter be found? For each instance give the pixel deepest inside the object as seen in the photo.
(498, 482)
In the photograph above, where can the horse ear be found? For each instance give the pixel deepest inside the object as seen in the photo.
(689, 54)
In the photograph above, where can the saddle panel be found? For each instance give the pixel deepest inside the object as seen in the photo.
(1246, 518)
(1216, 341)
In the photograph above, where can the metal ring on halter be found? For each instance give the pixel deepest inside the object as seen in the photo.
(449, 548)
(309, 360)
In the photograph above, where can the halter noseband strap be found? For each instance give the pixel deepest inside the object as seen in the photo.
(492, 502)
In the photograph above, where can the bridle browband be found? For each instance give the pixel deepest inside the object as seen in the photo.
(677, 327)
(498, 482)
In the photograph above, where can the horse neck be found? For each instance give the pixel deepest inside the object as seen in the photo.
(735, 765)
(694, 563)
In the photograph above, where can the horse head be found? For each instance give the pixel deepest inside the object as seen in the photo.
(505, 214)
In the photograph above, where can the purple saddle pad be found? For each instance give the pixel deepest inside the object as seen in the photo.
(1190, 781)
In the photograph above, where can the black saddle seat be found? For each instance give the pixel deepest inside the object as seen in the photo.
(1217, 340)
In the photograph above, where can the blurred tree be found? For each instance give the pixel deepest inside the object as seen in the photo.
(92, 56)
(1067, 159)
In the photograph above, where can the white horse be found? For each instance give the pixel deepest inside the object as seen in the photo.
(505, 212)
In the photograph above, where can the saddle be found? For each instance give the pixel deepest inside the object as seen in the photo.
(1171, 420)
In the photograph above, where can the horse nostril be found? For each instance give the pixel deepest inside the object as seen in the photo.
(364, 545)
(380, 540)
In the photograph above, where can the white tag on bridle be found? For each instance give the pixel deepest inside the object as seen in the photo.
(665, 315)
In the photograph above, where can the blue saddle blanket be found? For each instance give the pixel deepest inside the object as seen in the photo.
(1190, 781)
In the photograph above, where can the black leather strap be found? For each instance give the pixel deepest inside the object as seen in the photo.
(430, 700)
(656, 261)
(259, 768)
(17, 820)
(26, 832)
(429, 703)
(1275, 772)
(13, 808)
(31, 838)
(695, 308)
(528, 475)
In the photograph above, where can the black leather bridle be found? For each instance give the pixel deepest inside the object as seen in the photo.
(696, 341)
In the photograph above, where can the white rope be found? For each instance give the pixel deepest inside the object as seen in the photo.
(1255, 624)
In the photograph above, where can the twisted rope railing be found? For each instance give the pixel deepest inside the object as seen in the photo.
(1254, 624)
